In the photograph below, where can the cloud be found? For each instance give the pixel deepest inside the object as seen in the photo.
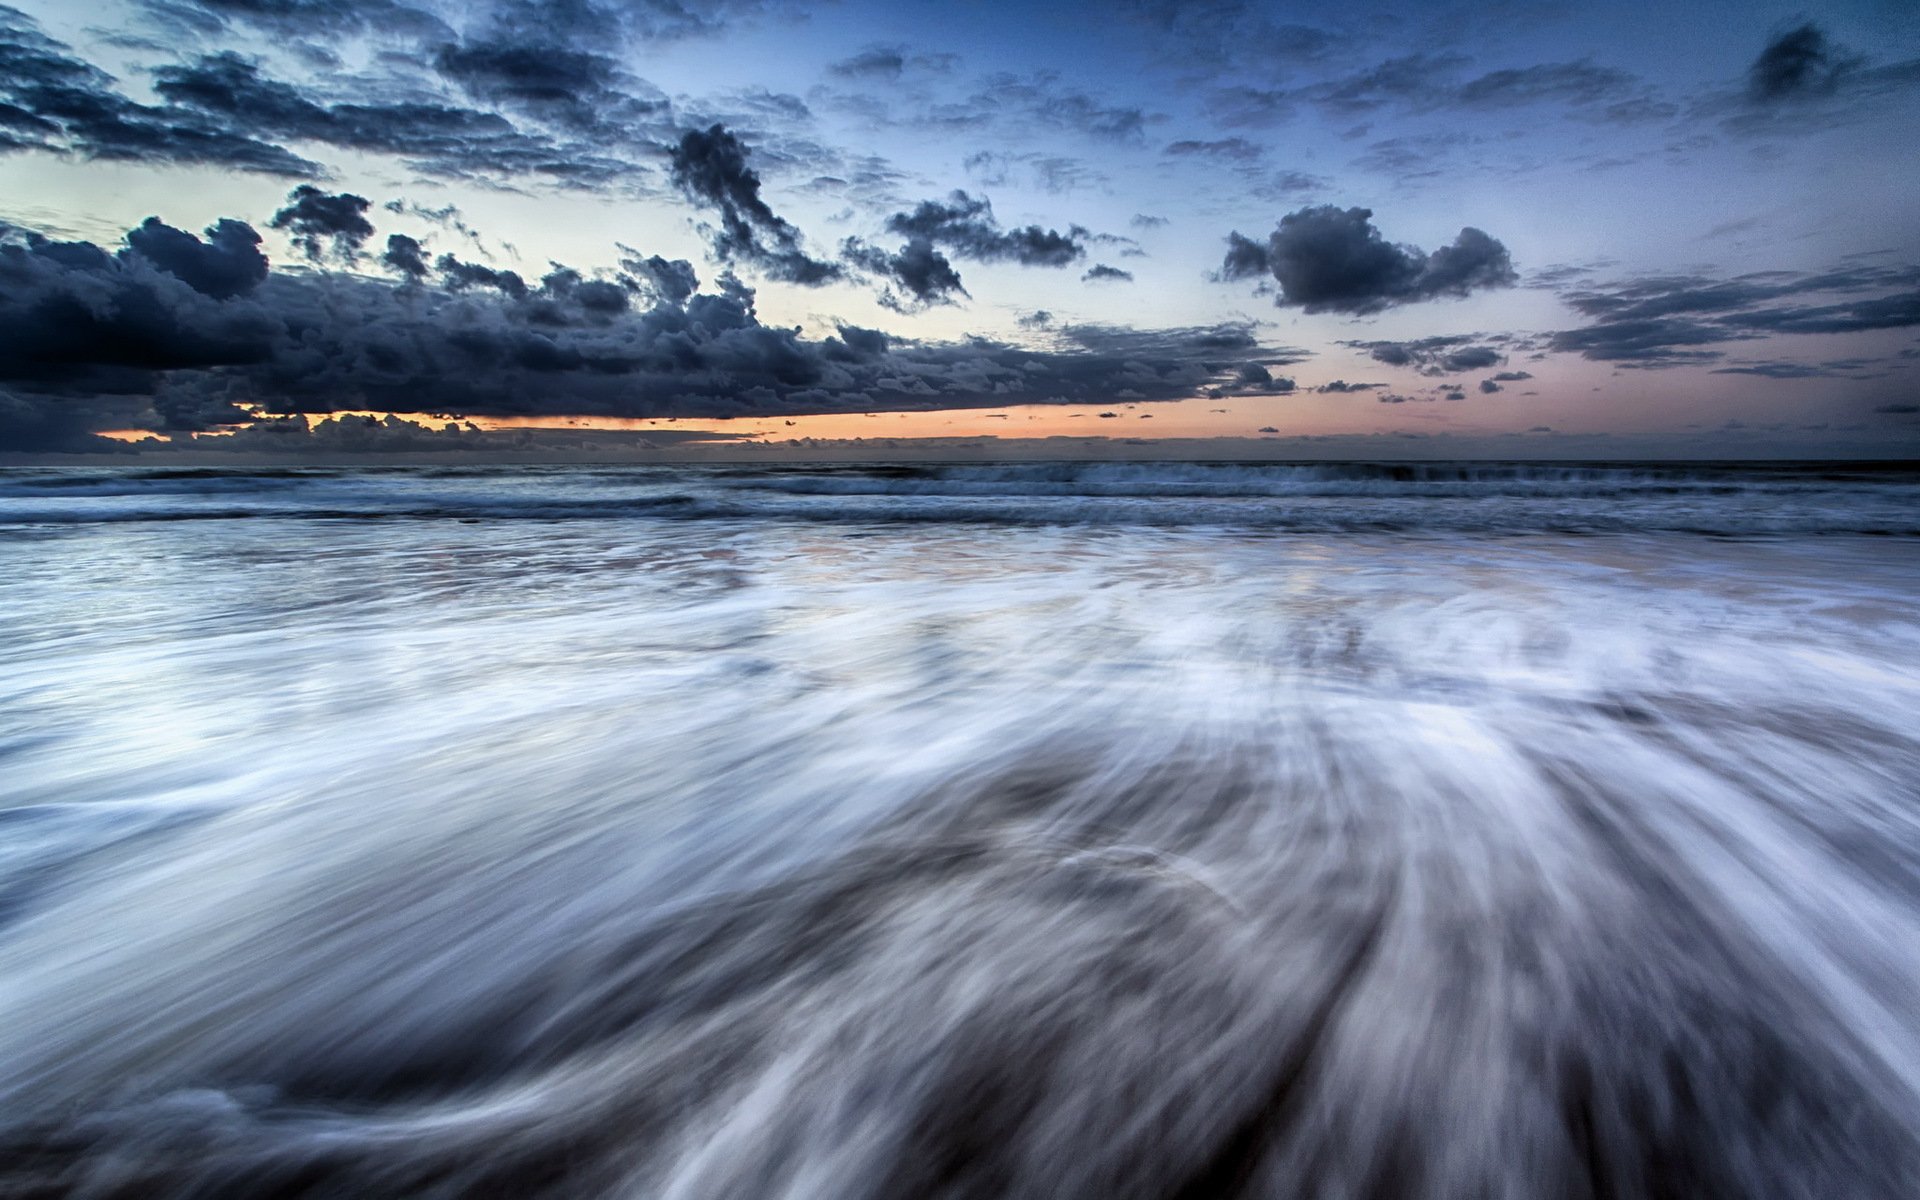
(562, 86)
(875, 62)
(1147, 221)
(1802, 82)
(1341, 386)
(1053, 173)
(574, 21)
(1570, 83)
(1013, 106)
(921, 271)
(1235, 149)
(710, 166)
(1425, 83)
(966, 226)
(1796, 64)
(59, 103)
(1102, 273)
(109, 335)
(1255, 379)
(1244, 107)
(405, 255)
(432, 137)
(670, 281)
(459, 276)
(1782, 370)
(1439, 355)
(1489, 387)
(1664, 320)
(1328, 259)
(228, 264)
(319, 221)
(76, 318)
(307, 17)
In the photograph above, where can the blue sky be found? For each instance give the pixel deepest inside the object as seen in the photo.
(1596, 230)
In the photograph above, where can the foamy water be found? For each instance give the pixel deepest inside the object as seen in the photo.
(1063, 830)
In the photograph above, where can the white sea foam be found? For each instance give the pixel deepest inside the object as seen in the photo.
(764, 855)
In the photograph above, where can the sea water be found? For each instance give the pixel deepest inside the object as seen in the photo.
(1068, 830)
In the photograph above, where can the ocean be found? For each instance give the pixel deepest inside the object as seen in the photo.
(1090, 830)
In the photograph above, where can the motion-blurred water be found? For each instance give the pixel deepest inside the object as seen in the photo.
(1078, 831)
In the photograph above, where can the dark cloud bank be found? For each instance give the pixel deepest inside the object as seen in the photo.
(189, 333)
(1329, 259)
(1679, 320)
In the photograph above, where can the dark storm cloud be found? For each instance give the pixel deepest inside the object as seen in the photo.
(1884, 312)
(1664, 320)
(1802, 82)
(80, 325)
(1440, 355)
(320, 222)
(1102, 273)
(74, 317)
(1798, 63)
(1328, 259)
(227, 264)
(710, 165)
(53, 101)
(431, 137)
(329, 18)
(602, 22)
(966, 226)
(1663, 342)
(458, 276)
(669, 281)
(1254, 379)
(562, 86)
(920, 271)
(406, 256)
(39, 425)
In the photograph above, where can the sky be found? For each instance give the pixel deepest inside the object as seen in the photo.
(603, 228)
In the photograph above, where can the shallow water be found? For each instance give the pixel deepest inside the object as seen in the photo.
(1099, 830)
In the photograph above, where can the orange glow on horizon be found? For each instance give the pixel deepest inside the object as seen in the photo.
(1242, 417)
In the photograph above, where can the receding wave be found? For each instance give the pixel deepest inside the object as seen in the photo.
(743, 857)
(1441, 498)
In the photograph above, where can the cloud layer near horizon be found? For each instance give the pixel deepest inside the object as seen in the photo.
(204, 331)
(990, 219)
